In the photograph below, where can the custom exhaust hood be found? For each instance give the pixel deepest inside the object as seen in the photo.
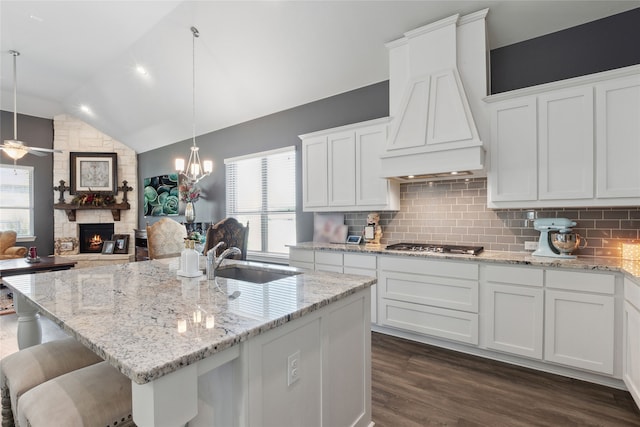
(438, 77)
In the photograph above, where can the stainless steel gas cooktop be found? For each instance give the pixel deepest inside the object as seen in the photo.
(434, 247)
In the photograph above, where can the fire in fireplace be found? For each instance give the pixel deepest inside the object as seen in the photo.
(92, 236)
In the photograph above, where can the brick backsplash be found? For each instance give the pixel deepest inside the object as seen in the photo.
(456, 212)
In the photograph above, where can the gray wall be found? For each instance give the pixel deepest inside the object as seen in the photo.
(266, 133)
(35, 132)
(596, 46)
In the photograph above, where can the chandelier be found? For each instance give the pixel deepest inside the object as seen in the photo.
(194, 171)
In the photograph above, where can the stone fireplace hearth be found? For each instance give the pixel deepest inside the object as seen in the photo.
(73, 135)
(92, 236)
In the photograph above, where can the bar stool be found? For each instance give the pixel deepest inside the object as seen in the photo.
(96, 395)
(32, 366)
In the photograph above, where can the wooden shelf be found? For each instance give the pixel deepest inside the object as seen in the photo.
(71, 209)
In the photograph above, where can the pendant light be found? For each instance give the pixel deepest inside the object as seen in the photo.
(15, 148)
(194, 171)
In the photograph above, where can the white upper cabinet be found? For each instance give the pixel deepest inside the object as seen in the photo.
(572, 143)
(341, 169)
(315, 177)
(513, 174)
(371, 190)
(565, 144)
(618, 138)
(342, 160)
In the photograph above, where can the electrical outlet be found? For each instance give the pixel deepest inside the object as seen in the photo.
(531, 246)
(293, 368)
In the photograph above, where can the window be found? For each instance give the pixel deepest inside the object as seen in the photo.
(16, 200)
(261, 189)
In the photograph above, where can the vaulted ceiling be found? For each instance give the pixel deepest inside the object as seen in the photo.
(253, 58)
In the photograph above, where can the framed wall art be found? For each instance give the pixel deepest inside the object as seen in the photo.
(93, 173)
(161, 195)
(66, 246)
(121, 243)
(108, 246)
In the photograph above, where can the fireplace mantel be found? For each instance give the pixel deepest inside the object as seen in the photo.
(72, 208)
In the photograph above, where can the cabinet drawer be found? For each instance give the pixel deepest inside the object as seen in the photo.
(360, 271)
(583, 282)
(300, 264)
(330, 258)
(462, 269)
(329, 268)
(514, 275)
(632, 293)
(300, 255)
(360, 261)
(450, 324)
(444, 292)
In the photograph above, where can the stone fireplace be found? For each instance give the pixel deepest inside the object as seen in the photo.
(74, 135)
(91, 237)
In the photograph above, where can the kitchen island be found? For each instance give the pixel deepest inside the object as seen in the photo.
(292, 351)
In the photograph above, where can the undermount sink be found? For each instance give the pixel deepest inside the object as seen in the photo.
(253, 275)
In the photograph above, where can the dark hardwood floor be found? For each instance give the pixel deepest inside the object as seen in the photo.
(419, 385)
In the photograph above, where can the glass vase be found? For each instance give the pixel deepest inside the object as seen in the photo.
(190, 213)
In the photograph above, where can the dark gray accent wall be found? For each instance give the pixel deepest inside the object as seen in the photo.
(35, 132)
(593, 47)
(266, 133)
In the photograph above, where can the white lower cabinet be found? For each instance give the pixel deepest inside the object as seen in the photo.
(328, 261)
(554, 319)
(436, 298)
(301, 258)
(513, 310)
(338, 262)
(631, 339)
(364, 265)
(580, 320)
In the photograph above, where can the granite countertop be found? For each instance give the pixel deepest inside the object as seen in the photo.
(130, 314)
(629, 268)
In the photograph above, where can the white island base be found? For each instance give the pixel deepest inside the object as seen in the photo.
(311, 371)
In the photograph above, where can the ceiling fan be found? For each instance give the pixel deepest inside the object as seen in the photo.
(15, 148)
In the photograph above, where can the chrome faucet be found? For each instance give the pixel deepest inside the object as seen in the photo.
(213, 261)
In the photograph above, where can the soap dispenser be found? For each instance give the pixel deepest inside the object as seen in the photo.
(189, 260)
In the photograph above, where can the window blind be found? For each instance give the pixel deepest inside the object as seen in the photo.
(16, 201)
(261, 189)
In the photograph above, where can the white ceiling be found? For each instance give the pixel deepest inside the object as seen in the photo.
(253, 58)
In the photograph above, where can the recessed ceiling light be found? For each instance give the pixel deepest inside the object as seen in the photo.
(85, 109)
(36, 18)
(141, 70)
(410, 177)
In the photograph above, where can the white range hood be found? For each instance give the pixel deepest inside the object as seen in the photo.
(438, 77)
